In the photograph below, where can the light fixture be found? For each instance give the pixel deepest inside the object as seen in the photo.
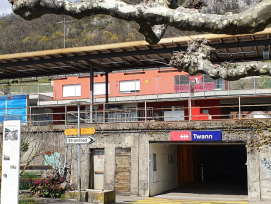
(235, 53)
(60, 67)
(25, 70)
(28, 81)
(171, 70)
(131, 73)
(87, 76)
(112, 62)
(60, 78)
(266, 53)
(2, 72)
(152, 59)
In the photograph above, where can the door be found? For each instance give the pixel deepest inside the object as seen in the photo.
(98, 169)
(123, 171)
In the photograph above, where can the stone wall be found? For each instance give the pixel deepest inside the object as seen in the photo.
(137, 136)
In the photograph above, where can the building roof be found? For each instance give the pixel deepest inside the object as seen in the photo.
(127, 55)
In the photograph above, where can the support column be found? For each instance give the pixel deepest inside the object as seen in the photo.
(239, 108)
(106, 87)
(106, 96)
(91, 91)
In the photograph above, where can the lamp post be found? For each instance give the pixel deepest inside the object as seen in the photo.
(79, 150)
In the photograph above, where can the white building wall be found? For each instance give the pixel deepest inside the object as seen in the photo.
(165, 177)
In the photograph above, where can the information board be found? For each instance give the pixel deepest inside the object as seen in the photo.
(11, 160)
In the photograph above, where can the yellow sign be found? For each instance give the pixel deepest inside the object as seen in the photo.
(71, 131)
(84, 131)
(87, 131)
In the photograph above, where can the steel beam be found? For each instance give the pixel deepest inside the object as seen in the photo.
(132, 53)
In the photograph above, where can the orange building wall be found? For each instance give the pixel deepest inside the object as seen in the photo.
(147, 84)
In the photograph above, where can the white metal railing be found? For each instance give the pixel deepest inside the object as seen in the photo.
(147, 111)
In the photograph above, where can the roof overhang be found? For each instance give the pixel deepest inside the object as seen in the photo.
(128, 55)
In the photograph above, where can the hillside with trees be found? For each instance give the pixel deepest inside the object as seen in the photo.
(18, 35)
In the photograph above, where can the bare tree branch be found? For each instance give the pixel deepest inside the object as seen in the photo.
(151, 13)
(197, 60)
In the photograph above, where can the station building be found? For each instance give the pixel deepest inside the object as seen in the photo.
(158, 130)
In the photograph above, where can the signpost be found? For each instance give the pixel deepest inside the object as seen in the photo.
(11, 160)
(79, 140)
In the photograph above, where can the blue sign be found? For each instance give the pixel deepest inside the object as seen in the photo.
(206, 135)
(14, 105)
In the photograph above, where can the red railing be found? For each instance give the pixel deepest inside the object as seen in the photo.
(184, 88)
(207, 86)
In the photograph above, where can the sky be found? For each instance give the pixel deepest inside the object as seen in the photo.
(5, 7)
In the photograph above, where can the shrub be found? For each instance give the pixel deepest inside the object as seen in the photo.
(25, 186)
(29, 202)
(29, 175)
(49, 189)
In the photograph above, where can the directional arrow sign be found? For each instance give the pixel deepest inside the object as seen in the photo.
(71, 131)
(80, 140)
(87, 131)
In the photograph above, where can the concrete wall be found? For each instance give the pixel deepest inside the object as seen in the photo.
(138, 137)
(165, 177)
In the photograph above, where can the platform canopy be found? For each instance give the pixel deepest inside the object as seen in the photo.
(128, 56)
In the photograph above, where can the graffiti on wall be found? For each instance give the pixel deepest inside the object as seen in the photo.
(267, 167)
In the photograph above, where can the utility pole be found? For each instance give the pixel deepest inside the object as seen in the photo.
(64, 22)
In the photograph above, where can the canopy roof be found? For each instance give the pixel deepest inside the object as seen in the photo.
(126, 56)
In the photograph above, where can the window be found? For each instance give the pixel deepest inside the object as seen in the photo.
(71, 90)
(174, 113)
(99, 89)
(154, 163)
(130, 86)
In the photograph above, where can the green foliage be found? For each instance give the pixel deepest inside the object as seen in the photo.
(24, 146)
(107, 34)
(266, 83)
(29, 175)
(51, 189)
(57, 35)
(29, 202)
(25, 186)
(44, 79)
(18, 35)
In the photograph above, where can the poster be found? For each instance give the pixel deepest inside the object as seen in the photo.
(11, 160)
(14, 105)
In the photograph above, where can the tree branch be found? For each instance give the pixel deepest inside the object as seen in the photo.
(197, 60)
(157, 12)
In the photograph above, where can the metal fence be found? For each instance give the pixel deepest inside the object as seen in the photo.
(240, 108)
(26, 88)
(181, 87)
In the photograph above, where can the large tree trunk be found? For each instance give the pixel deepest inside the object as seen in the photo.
(197, 60)
(151, 13)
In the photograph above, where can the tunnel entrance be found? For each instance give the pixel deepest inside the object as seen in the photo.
(198, 169)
